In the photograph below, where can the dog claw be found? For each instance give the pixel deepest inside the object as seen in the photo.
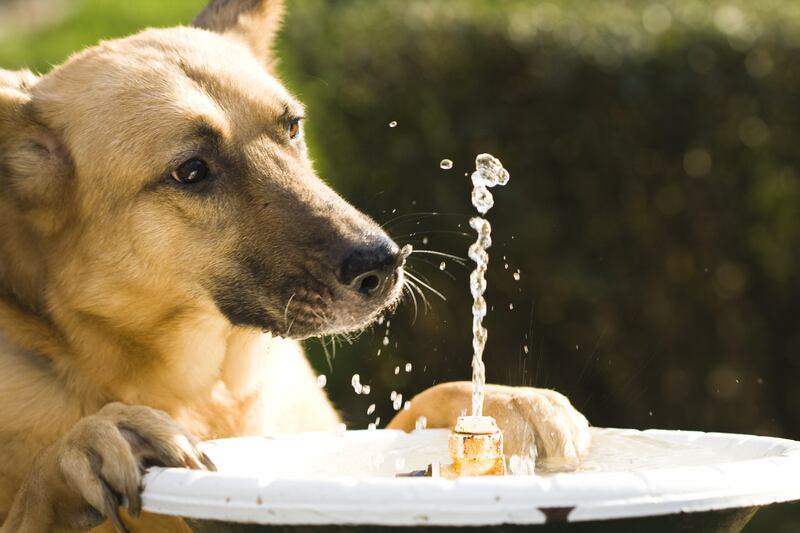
(135, 503)
(111, 507)
(207, 462)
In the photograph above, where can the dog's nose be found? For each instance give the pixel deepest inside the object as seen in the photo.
(369, 268)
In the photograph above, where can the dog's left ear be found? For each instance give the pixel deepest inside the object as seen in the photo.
(254, 22)
(35, 167)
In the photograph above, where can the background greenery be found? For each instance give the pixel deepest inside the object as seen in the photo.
(654, 205)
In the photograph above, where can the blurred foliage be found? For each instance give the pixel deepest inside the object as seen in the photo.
(653, 211)
(86, 22)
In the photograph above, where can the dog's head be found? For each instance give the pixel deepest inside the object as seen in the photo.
(168, 170)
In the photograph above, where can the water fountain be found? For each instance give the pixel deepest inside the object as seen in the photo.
(631, 480)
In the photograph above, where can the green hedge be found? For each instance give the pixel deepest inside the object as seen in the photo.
(653, 209)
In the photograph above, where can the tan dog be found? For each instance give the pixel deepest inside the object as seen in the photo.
(163, 236)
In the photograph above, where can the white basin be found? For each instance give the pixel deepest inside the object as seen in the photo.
(320, 479)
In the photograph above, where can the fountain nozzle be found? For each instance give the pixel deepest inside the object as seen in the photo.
(476, 448)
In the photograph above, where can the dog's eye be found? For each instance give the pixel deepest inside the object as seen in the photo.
(191, 171)
(294, 127)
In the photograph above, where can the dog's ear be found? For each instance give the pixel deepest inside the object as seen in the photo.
(254, 22)
(34, 165)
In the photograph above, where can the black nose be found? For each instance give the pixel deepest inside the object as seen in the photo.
(369, 268)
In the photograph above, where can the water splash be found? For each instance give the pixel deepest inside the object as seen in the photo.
(355, 381)
(489, 172)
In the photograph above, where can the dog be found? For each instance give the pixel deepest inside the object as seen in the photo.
(164, 244)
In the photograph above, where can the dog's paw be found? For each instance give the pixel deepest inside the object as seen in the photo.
(538, 418)
(103, 457)
(534, 421)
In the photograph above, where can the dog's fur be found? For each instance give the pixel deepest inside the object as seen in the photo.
(139, 314)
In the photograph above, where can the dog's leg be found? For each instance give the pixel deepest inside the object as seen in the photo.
(80, 481)
(529, 417)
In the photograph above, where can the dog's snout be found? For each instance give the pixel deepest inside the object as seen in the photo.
(369, 268)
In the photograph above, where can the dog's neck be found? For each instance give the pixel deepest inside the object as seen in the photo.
(171, 352)
(188, 361)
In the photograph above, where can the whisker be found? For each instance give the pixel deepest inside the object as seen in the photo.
(422, 295)
(420, 276)
(446, 231)
(413, 299)
(420, 214)
(286, 313)
(461, 260)
(419, 281)
(327, 353)
(437, 267)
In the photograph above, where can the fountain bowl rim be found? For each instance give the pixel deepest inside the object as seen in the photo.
(576, 497)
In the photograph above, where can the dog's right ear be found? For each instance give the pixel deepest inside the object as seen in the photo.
(254, 22)
(34, 165)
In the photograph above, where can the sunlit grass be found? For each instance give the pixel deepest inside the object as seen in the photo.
(87, 23)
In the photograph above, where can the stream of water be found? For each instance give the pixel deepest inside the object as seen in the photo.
(489, 172)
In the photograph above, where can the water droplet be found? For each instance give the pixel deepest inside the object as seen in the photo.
(380, 319)
(408, 367)
(386, 341)
(525, 349)
(398, 402)
(355, 381)
(396, 370)
(406, 405)
(393, 395)
(379, 352)
(511, 307)
(442, 265)
(424, 240)
(371, 409)
(650, 413)
(393, 124)
(482, 199)
(505, 266)
(371, 427)
(446, 164)
(516, 275)
(421, 423)
(365, 389)
(322, 380)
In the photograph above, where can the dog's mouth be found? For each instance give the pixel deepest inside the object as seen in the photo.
(309, 299)
(313, 308)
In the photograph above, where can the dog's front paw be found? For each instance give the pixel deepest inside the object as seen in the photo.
(534, 421)
(102, 459)
(538, 418)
